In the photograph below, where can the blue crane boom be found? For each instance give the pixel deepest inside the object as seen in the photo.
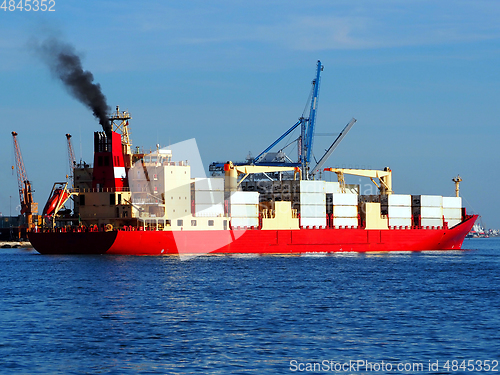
(311, 121)
(256, 160)
(306, 132)
(304, 141)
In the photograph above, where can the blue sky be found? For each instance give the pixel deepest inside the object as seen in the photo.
(421, 77)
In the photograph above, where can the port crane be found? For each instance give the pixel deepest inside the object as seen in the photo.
(71, 158)
(28, 206)
(304, 141)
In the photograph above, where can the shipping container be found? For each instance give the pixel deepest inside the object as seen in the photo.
(452, 213)
(244, 197)
(208, 197)
(332, 188)
(399, 211)
(431, 212)
(427, 200)
(345, 211)
(399, 222)
(345, 199)
(453, 222)
(312, 198)
(313, 222)
(209, 184)
(397, 200)
(452, 202)
(245, 210)
(312, 186)
(431, 222)
(345, 222)
(244, 222)
(312, 210)
(209, 210)
(370, 198)
(263, 187)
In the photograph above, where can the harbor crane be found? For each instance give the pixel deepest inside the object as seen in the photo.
(72, 159)
(305, 140)
(28, 206)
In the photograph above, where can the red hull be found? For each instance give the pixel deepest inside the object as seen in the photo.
(251, 241)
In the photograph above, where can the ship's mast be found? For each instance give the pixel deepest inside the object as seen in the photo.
(119, 121)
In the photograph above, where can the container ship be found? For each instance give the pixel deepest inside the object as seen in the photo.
(136, 203)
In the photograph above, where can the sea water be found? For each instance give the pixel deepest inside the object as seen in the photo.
(429, 312)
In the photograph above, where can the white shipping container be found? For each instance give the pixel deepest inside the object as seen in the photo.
(431, 200)
(208, 197)
(400, 221)
(431, 222)
(312, 198)
(313, 221)
(312, 186)
(345, 211)
(332, 187)
(453, 222)
(207, 184)
(312, 210)
(244, 197)
(244, 222)
(399, 211)
(399, 200)
(431, 212)
(345, 199)
(345, 222)
(452, 213)
(209, 210)
(452, 202)
(244, 210)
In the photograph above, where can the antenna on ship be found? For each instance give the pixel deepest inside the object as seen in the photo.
(457, 180)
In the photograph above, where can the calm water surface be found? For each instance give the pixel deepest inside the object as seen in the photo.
(243, 315)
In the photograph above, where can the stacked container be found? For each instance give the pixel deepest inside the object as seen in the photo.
(209, 197)
(452, 210)
(345, 210)
(398, 209)
(312, 204)
(244, 209)
(429, 208)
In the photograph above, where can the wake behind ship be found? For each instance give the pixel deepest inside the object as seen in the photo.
(135, 203)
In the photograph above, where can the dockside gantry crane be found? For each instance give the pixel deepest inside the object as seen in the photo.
(28, 206)
(305, 140)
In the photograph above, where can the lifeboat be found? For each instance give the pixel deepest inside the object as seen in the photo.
(57, 199)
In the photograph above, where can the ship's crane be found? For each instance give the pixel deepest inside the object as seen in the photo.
(28, 207)
(384, 177)
(232, 172)
(72, 160)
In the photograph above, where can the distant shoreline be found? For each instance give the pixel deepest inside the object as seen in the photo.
(11, 244)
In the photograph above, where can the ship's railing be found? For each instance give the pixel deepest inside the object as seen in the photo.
(183, 163)
(147, 201)
(101, 228)
(101, 190)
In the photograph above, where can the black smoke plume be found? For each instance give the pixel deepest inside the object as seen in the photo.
(66, 65)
